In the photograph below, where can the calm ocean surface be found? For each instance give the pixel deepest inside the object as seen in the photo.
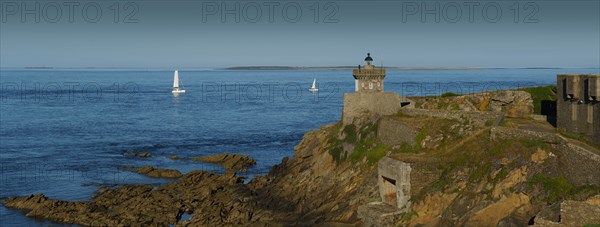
(62, 131)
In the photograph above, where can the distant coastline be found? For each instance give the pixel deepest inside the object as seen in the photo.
(338, 68)
(267, 68)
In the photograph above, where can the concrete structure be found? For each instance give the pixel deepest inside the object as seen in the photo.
(394, 182)
(577, 102)
(368, 78)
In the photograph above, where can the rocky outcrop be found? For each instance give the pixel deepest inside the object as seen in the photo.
(377, 214)
(153, 172)
(511, 103)
(458, 172)
(159, 173)
(492, 214)
(141, 155)
(231, 162)
(212, 199)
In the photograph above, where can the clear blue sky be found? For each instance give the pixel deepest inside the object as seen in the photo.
(192, 34)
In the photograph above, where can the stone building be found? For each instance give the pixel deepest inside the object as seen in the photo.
(368, 78)
(577, 102)
(369, 96)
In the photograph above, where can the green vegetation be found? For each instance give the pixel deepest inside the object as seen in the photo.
(585, 191)
(555, 188)
(500, 175)
(534, 144)
(443, 181)
(579, 137)
(365, 143)
(538, 94)
(335, 145)
(480, 172)
(500, 147)
(419, 139)
(350, 133)
(489, 123)
(449, 94)
(408, 215)
(454, 106)
(368, 148)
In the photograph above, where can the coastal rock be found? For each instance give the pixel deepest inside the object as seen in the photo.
(492, 214)
(152, 172)
(231, 162)
(431, 208)
(158, 173)
(476, 179)
(378, 214)
(219, 200)
(141, 155)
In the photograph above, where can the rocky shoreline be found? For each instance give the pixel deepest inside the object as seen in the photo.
(464, 171)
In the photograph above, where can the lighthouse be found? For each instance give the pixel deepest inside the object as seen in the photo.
(368, 78)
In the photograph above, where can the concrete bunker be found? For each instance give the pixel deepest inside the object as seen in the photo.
(389, 190)
(394, 182)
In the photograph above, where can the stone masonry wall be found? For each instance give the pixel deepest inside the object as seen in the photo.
(478, 118)
(357, 104)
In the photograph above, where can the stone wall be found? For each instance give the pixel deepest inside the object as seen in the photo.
(478, 118)
(579, 165)
(394, 133)
(511, 103)
(515, 133)
(357, 104)
(577, 161)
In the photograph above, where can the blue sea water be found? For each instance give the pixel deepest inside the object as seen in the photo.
(64, 131)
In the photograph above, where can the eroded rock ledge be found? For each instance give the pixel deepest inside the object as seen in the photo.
(231, 162)
(212, 199)
(153, 172)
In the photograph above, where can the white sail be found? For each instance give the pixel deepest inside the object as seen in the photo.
(314, 86)
(176, 79)
(176, 89)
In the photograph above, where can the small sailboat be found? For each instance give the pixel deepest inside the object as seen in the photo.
(314, 86)
(176, 89)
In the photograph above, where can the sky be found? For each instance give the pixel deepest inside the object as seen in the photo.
(185, 33)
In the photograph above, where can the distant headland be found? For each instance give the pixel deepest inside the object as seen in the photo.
(339, 68)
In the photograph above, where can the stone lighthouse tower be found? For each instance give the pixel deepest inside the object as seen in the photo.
(368, 78)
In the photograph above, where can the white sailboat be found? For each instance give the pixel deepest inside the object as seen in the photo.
(314, 86)
(176, 89)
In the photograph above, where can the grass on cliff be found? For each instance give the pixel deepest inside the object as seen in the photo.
(578, 137)
(557, 188)
(449, 94)
(366, 144)
(480, 157)
(539, 94)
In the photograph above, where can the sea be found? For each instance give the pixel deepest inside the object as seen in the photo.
(64, 132)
